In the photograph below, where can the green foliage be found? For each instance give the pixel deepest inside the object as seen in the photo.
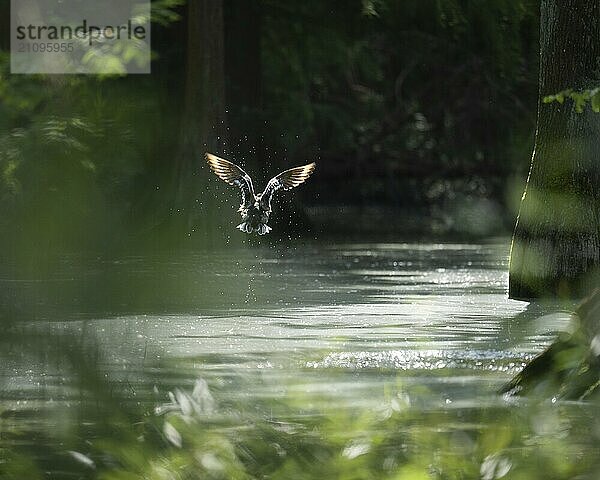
(164, 12)
(59, 174)
(570, 367)
(580, 99)
(192, 436)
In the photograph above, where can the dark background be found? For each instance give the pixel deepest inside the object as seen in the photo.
(420, 115)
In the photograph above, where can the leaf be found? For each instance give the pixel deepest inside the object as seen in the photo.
(173, 436)
(185, 403)
(596, 102)
(81, 458)
(580, 101)
(355, 449)
(495, 466)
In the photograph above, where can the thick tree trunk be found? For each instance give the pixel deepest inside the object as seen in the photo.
(556, 243)
(203, 120)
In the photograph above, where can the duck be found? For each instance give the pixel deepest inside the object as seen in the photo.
(256, 209)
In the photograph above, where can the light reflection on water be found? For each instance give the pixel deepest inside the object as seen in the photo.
(268, 321)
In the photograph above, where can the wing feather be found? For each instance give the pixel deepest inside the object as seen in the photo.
(286, 181)
(233, 175)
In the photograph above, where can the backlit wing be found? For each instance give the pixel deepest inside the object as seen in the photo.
(233, 175)
(286, 181)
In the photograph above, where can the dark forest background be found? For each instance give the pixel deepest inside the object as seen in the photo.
(419, 113)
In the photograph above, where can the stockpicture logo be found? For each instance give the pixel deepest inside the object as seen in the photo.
(89, 33)
(80, 36)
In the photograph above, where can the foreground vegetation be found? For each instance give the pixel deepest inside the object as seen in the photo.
(116, 432)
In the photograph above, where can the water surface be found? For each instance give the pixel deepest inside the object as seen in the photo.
(356, 327)
(414, 308)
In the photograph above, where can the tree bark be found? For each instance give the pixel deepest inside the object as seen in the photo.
(203, 125)
(556, 243)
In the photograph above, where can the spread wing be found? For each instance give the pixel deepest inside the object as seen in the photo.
(286, 181)
(233, 175)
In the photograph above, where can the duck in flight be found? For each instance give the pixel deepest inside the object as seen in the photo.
(255, 209)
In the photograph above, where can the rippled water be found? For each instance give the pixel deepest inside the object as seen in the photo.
(343, 320)
(344, 344)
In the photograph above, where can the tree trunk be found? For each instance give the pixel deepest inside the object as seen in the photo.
(203, 125)
(243, 71)
(4, 25)
(556, 243)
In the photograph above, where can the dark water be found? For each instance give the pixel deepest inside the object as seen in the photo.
(344, 326)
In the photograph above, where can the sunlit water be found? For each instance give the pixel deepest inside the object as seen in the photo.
(344, 323)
